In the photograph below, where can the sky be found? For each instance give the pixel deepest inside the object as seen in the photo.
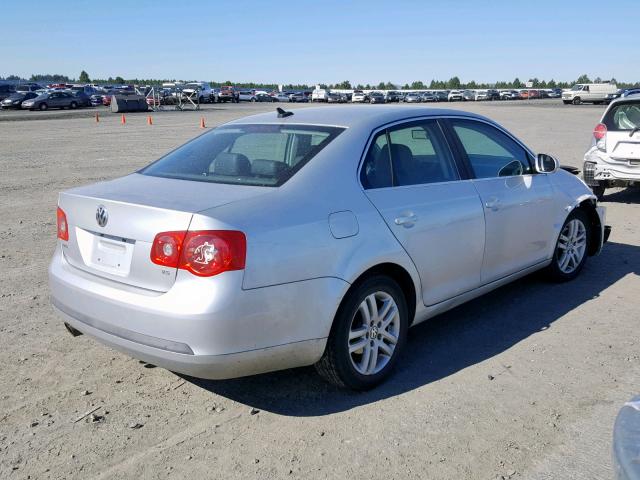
(319, 41)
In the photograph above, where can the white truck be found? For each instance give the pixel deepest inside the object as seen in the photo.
(320, 95)
(589, 93)
(200, 91)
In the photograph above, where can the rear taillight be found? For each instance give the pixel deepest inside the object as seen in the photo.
(600, 134)
(600, 131)
(202, 252)
(63, 226)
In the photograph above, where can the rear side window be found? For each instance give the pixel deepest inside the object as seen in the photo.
(260, 155)
(490, 152)
(409, 154)
(623, 116)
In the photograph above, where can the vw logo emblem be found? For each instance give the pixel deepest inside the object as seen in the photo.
(102, 217)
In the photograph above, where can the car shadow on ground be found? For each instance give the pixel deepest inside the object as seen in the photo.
(469, 334)
(628, 195)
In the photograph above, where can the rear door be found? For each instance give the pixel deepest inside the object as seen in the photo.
(518, 203)
(621, 120)
(410, 176)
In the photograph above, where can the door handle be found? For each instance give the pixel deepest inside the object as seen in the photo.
(406, 220)
(492, 204)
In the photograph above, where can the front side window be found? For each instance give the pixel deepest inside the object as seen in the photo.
(260, 155)
(490, 152)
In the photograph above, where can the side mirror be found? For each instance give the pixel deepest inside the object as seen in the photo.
(546, 163)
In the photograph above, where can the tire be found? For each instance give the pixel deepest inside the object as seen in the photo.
(253, 100)
(353, 370)
(576, 101)
(73, 105)
(43, 106)
(567, 236)
(598, 191)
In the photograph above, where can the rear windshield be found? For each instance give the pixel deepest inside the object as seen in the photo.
(258, 155)
(624, 116)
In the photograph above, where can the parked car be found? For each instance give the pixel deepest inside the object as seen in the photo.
(83, 100)
(28, 87)
(479, 95)
(441, 95)
(15, 100)
(412, 97)
(227, 94)
(359, 97)
(376, 97)
(454, 95)
(281, 97)
(589, 93)
(468, 95)
(493, 94)
(428, 97)
(263, 97)
(392, 96)
(613, 160)
(509, 95)
(181, 265)
(97, 99)
(6, 90)
(334, 97)
(45, 101)
(299, 97)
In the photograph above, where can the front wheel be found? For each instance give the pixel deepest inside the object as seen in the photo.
(572, 248)
(368, 335)
(73, 105)
(43, 106)
(577, 101)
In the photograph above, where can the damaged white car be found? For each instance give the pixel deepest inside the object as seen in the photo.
(614, 157)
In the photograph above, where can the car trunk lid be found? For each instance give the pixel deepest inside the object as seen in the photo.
(112, 224)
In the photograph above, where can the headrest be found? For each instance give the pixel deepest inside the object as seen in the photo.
(231, 164)
(267, 168)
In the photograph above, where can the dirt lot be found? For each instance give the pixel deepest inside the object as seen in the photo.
(523, 383)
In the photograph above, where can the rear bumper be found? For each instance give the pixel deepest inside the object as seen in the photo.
(598, 169)
(207, 328)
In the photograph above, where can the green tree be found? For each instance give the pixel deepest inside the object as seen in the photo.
(119, 80)
(584, 78)
(84, 77)
(453, 83)
(417, 85)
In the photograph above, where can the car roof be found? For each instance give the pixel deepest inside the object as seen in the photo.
(351, 116)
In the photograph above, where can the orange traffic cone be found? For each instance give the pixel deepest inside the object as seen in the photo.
(97, 118)
(123, 120)
(149, 120)
(202, 125)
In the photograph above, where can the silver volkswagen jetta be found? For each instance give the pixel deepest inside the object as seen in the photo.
(316, 237)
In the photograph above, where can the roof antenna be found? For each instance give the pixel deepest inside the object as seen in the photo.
(282, 113)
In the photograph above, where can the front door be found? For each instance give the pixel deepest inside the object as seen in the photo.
(517, 202)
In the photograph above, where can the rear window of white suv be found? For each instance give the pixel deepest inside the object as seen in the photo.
(258, 155)
(623, 116)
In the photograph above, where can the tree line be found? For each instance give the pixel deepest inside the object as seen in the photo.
(453, 83)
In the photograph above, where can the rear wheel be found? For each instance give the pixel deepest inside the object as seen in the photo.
(368, 335)
(572, 246)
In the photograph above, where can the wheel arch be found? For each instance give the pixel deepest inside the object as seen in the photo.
(588, 206)
(396, 272)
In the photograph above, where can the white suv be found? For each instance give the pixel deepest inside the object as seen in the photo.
(614, 157)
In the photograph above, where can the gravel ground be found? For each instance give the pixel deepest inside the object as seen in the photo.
(522, 383)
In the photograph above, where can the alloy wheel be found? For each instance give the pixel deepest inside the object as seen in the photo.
(572, 245)
(374, 333)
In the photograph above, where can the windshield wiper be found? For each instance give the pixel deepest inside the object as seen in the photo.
(637, 129)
